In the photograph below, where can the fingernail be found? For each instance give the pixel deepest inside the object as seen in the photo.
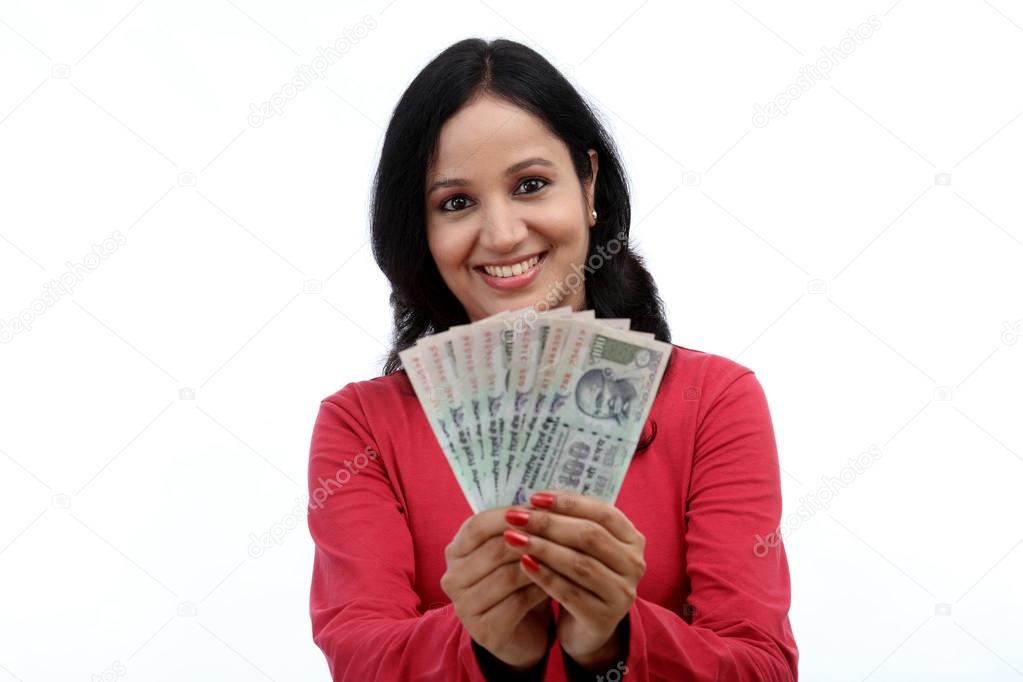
(515, 538)
(516, 517)
(530, 563)
(544, 500)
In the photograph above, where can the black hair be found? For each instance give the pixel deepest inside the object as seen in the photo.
(420, 300)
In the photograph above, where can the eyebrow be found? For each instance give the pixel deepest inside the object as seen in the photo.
(511, 170)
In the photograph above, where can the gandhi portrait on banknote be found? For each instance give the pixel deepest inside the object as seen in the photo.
(603, 396)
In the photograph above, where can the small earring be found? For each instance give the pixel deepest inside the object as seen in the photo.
(594, 214)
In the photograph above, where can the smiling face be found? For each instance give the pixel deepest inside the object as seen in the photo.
(502, 190)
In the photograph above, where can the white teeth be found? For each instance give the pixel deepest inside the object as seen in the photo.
(509, 271)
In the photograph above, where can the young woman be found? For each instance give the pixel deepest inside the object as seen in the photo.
(492, 158)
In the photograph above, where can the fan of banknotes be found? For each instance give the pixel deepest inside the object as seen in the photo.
(524, 401)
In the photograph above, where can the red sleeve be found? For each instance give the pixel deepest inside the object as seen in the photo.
(365, 613)
(739, 627)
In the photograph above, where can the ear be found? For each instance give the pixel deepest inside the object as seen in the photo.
(591, 185)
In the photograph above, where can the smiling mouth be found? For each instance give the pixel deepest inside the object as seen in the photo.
(509, 271)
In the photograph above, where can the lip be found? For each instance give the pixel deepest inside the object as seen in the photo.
(510, 261)
(515, 281)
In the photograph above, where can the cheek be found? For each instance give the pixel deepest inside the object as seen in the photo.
(566, 220)
(448, 247)
(563, 225)
(434, 241)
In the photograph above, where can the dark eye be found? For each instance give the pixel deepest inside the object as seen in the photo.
(457, 197)
(462, 197)
(528, 180)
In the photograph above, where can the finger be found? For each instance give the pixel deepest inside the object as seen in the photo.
(474, 531)
(543, 602)
(519, 603)
(483, 561)
(582, 534)
(495, 588)
(583, 570)
(588, 507)
(533, 597)
(582, 603)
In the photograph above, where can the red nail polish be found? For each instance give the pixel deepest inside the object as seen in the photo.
(543, 500)
(515, 538)
(530, 563)
(516, 517)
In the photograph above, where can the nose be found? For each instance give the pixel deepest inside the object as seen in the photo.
(502, 229)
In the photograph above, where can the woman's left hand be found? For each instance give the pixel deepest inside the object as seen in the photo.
(588, 557)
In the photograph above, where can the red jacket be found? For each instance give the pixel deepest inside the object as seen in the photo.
(712, 605)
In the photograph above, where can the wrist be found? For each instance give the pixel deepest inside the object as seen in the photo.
(495, 668)
(606, 656)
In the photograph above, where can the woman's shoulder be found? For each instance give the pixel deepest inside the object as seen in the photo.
(701, 384)
(701, 368)
(389, 391)
(386, 403)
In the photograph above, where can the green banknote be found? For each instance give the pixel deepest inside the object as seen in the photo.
(524, 400)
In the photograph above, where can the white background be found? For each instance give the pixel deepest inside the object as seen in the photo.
(862, 253)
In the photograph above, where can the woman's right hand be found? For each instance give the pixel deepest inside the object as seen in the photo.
(502, 609)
